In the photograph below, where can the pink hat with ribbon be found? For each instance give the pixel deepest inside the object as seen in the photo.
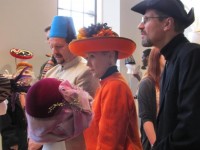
(56, 110)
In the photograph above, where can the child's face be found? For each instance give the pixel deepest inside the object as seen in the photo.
(98, 62)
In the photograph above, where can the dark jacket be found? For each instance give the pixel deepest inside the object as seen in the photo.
(179, 117)
(13, 127)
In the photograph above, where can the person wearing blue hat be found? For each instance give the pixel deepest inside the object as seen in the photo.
(69, 67)
(163, 24)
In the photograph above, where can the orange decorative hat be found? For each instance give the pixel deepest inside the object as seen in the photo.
(98, 38)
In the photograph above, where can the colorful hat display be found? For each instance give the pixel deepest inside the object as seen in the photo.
(62, 27)
(176, 9)
(100, 37)
(130, 60)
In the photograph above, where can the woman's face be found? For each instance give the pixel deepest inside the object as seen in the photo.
(99, 62)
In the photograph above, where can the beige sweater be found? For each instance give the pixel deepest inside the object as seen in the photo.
(77, 73)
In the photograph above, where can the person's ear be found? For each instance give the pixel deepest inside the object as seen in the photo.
(168, 23)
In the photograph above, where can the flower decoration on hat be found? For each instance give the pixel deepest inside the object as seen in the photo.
(75, 95)
(98, 30)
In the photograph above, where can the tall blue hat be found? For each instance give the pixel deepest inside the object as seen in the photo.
(63, 27)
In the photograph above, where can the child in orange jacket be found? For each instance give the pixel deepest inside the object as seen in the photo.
(114, 125)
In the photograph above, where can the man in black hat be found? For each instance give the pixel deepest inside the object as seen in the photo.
(162, 26)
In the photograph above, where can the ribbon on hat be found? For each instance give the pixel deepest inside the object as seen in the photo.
(76, 96)
(70, 111)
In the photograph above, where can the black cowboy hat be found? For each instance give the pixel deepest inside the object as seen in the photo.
(173, 8)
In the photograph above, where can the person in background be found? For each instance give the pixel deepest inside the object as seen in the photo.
(114, 125)
(145, 57)
(51, 62)
(137, 72)
(13, 123)
(163, 24)
(5, 91)
(148, 98)
(47, 30)
(69, 67)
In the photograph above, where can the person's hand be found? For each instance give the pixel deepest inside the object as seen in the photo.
(15, 147)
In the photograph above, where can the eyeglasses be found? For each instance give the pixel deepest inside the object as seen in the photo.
(145, 19)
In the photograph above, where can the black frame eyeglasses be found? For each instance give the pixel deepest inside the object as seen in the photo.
(145, 19)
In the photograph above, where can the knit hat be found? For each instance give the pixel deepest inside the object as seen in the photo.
(56, 110)
(98, 38)
(42, 96)
(173, 8)
(62, 27)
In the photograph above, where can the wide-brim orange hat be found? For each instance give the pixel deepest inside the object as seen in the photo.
(124, 46)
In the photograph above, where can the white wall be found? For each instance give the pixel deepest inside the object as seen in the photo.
(118, 15)
(22, 24)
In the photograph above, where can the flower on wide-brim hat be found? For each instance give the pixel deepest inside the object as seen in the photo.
(97, 30)
(100, 37)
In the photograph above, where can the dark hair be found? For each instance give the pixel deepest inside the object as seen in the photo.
(179, 26)
(47, 28)
(146, 52)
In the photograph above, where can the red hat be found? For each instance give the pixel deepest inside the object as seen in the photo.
(56, 110)
(98, 38)
(43, 98)
(21, 53)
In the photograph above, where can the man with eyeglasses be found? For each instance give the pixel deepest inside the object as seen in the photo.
(69, 67)
(162, 26)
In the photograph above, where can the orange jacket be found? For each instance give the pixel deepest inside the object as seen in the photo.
(114, 126)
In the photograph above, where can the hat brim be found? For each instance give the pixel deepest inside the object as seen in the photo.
(124, 46)
(140, 7)
(175, 10)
